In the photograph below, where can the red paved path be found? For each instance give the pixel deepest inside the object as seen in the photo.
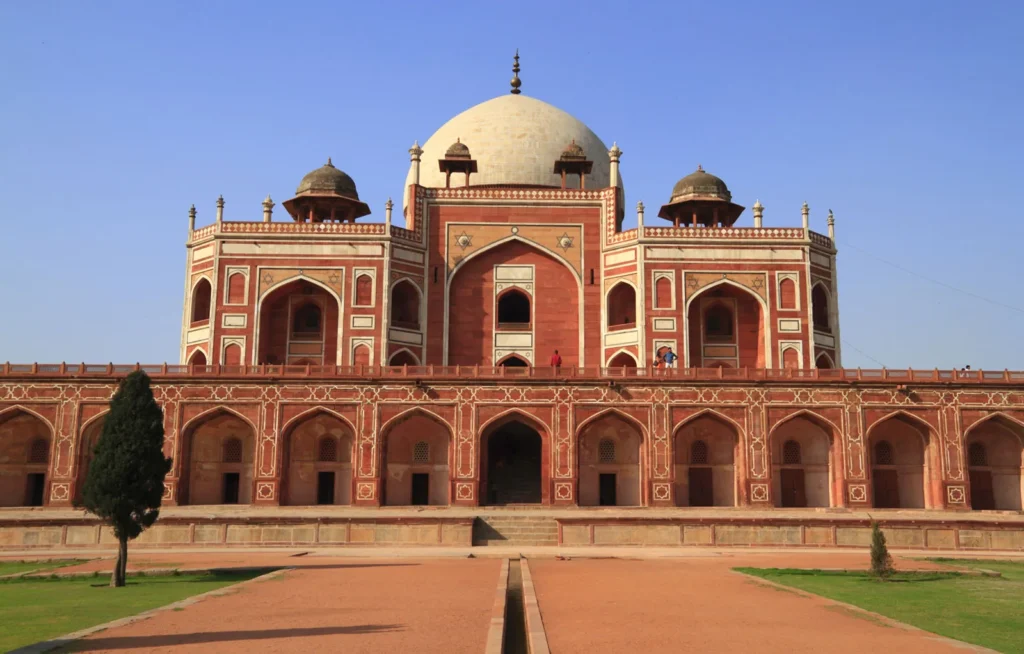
(349, 606)
(700, 605)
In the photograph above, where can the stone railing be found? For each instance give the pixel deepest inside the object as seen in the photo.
(352, 229)
(411, 373)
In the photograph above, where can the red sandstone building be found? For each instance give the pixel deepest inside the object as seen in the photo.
(328, 360)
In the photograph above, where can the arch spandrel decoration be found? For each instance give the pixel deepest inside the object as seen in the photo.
(562, 241)
(272, 277)
(756, 283)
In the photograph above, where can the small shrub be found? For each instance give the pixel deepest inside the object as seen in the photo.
(881, 561)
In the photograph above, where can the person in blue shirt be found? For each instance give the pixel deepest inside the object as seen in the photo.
(669, 358)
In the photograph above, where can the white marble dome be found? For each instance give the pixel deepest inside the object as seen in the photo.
(515, 139)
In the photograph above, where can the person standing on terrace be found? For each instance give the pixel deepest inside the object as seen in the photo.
(556, 360)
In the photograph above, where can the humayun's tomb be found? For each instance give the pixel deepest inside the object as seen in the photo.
(343, 381)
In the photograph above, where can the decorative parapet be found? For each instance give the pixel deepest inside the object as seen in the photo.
(404, 234)
(727, 234)
(622, 237)
(468, 373)
(509, 193)
(351, 229)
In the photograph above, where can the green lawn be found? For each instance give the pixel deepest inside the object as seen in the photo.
(35, 610)
(14, 567)
(987, 611)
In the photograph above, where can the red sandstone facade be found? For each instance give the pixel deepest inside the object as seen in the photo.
(329, 361)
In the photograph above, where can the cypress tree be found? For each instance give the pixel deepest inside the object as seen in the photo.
(125, 481)
(881, 562)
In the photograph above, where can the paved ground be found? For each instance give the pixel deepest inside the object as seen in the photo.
(700, 605)
(329, 605)
(652, 600)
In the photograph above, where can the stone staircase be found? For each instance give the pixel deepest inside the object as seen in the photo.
(502, 530)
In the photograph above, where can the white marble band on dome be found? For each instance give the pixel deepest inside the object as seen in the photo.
(515, 139)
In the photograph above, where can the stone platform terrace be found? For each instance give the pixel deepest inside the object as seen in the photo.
(255, 526)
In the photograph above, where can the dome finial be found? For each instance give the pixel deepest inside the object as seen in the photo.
(700, 168)
(516, 82)
(329, 162)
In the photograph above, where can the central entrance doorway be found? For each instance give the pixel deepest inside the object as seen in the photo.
(514, 465)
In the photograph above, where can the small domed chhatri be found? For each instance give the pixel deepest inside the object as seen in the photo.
(326, 195)
(573, 161)
(328, 179)
(573, 152)
(457, 150)
(701, 199)
(700, 184)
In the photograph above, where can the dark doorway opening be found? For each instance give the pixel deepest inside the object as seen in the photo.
(701, 487)
(232, 481)
(887, 488)
(34, 490)
(606, 489)
(793, 491)
(983, 496)
(514, 362)
(514, 465)
(325, 488)
(420, 488)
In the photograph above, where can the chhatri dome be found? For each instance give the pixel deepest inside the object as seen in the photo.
(515, 140)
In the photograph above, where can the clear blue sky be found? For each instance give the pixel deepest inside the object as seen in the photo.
(905, 118)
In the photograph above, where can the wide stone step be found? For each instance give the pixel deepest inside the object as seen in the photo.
(514, 530)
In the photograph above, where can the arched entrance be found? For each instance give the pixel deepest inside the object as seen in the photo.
(802, 463)
(220, 452)
(898, 447)
(318, 461)
(513, 474)
(24, 459)
(726, 328)
(416, 461)
(994, 464)
(609, 463)
(298, 321)
(87, 446)
(705, 455)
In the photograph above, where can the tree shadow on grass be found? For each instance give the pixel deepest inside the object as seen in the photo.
(167, 640)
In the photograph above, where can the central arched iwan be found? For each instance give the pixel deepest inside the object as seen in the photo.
(416, 455)
(706, 450)
(609, 458)
(318, 461)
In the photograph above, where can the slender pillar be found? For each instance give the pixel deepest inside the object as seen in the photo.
(268, 207)
(640, 219)
(388, 206)
(414, 156)
(805, 211)
(220, 209)
(831, 227)
(758, 214)
(192, 219)
(613, 157)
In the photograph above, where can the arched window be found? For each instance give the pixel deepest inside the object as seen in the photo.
(819, 302)
(622, 360)
(718, 322)
(823, 362)
(201, 301)
(663, 293)
(403, 358)
(791, 453)
(361, 355)
(421, 452)
(233, 450)
(306, 321)
(39, 451)
(787, 294)
(327, 450)
(790, 358)
(606, 451)
(233, 355)
(513, 362)
(513, 308)
(236, 288)
(198, 358)
(405, 305)
(883, 453)
(699, 453)
(977, 457)
(364, 291)
(622, 305)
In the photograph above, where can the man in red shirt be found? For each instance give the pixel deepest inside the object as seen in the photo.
(556, 360)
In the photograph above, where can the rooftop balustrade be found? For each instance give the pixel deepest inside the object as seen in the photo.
(467, 373)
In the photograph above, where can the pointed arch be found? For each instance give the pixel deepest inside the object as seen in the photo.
(406, 352)
(828, 360)
(509, 361)
(996, 416)
(21, 408)
(622, 352)
(618, 413)
(823, 422)
(509, 239)
(213, 412)
(713, 413)
(409, 413)
(406, 305)
(512, 415)
(916, 421)
(200, 300)
(762, 303)
(197, 353)
(620, 304)
(312, 413)
(821, 307)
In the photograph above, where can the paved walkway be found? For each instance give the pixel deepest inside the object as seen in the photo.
(329, 606)
(701, 605)
(690, 601)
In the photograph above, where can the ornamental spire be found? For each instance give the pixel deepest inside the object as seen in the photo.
(516, 82)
